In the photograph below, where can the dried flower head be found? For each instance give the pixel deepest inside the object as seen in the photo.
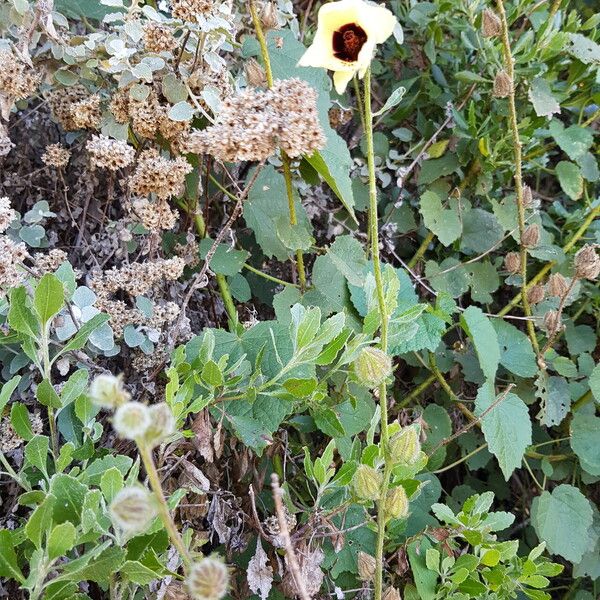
(531, 236)
(190, 10)
(391, 593)
(146, 115)
(154, 216)
(557, 285)
(552, 321)
(48, 262)
(366, 566)
(106, 153)
(208, 579)
(158, 37)
(119, 105)
(503, 85)
(107, 391)
(491, 26)
(512, 262)
(162, 424)
(366, 483)
(61, 102)
(255, 74)
(535, 294)
(6, 144)
(587, 263)
(12, 255)
(372, 366)
(273, 528)
(56, 155)
(159, 175)
(268, 16)
(17, 79)
(87, 114)
(131, 420)
(7, 214)
(133, 509)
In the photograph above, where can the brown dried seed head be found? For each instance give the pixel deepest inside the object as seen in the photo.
(587, 263)
(527, 197)
(552, 321)
(255, 74)
(512, 262)
(56, 155)
(391, 593)
(268, 16)
(503, 85)
(491, 26)
(535, 294)
(531, 236)
(557, 285)
(366, 566)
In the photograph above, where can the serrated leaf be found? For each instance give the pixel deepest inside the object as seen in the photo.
(540, 95)
(570, 179)
(585, 441)
(36, 452)
(443, 222)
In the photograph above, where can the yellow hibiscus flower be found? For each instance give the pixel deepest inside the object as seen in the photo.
(347, 33)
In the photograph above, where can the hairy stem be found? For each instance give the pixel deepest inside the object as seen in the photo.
(163, 507)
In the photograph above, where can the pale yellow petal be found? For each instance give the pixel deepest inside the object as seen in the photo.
(377, 21)
(341, 80)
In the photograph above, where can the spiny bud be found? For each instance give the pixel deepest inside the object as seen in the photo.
(255, 74)
(535, 294)
(131, 420)
(133, 509)
(503, 85)
(391, 593)
(268, 16)
(491, 26)
(366, 566)
(587, 263)
(107, 391)
(557, 285)
(512, 262)
(396, 503)
(372, 366)
(404, 447)
(531, 236)
(552, 321)
(208, 579)
(366, 483)
(162, 424)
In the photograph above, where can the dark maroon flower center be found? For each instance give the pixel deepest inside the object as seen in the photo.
(348, 41)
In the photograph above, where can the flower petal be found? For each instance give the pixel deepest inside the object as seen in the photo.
(341, 80)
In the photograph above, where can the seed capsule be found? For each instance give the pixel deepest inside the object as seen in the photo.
(366, 566)
(503, 85)
(396, 503)
(535, 294)
(208, 579)
(512, 262)
(133, 509)
(391, 593)
(531, 236)
(552, 321)
(491, 26)
(373, 366)
(587, 263)
(255, 74)
(107, 391)
(366, 483)
(557, 285)
(268, 16)
(404, 447)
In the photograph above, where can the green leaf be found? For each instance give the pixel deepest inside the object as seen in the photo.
(585, 441)
(301, 388)
(393, 100)
(226, 260)
(182, 111)
(99, 569)
(425, 579)
(570, 179)
(485, 340)
(294, 237)
(40, 521)
(79, 340)
(443, 222)
(138, 573)
(36, 452)
(439, 427)
(111, 483)
(19, 419)
(49, 297)
(211, 374)
(70, 495)
(20, 317)
(540, 95)
(8, 558)
(563, 519)
(584, 49)
(61, 540)
(575, 141)
(328, 422)
(481, 231)
(516, 352)
(46, 394)
(506, 428)
(594, 382)
(7, 390)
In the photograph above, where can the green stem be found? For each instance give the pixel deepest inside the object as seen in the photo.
(517, 152)
(285, 159)
(227, 298)
(374, 238)
(163, 507)
(269, 277)
(47, 374)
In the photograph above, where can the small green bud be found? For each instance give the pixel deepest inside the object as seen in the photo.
(208, 579)
(404, 447)
(133, 509)
(366, 483)
(107, 391)
(162, 424)
(396, 503)
(372, 366)
(131, 420)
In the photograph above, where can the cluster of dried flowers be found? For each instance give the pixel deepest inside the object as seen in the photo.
(12, 254)
(253, 124)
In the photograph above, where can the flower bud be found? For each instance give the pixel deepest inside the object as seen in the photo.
(587, 263)
(404, 447)
(162, 424)
(552, 321)
(531, 236)
(131, 420)
(512, 262)
(255, 74)
(535, 294)
(107, 391)
(491, 26)
(528, 200)
(557, 285)
(133, 509)
(366, 483)
(268, 16)
(208, 579)
(366, 566)
(391, 593)
(372, 366)
(503, 85)
(396, 503)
